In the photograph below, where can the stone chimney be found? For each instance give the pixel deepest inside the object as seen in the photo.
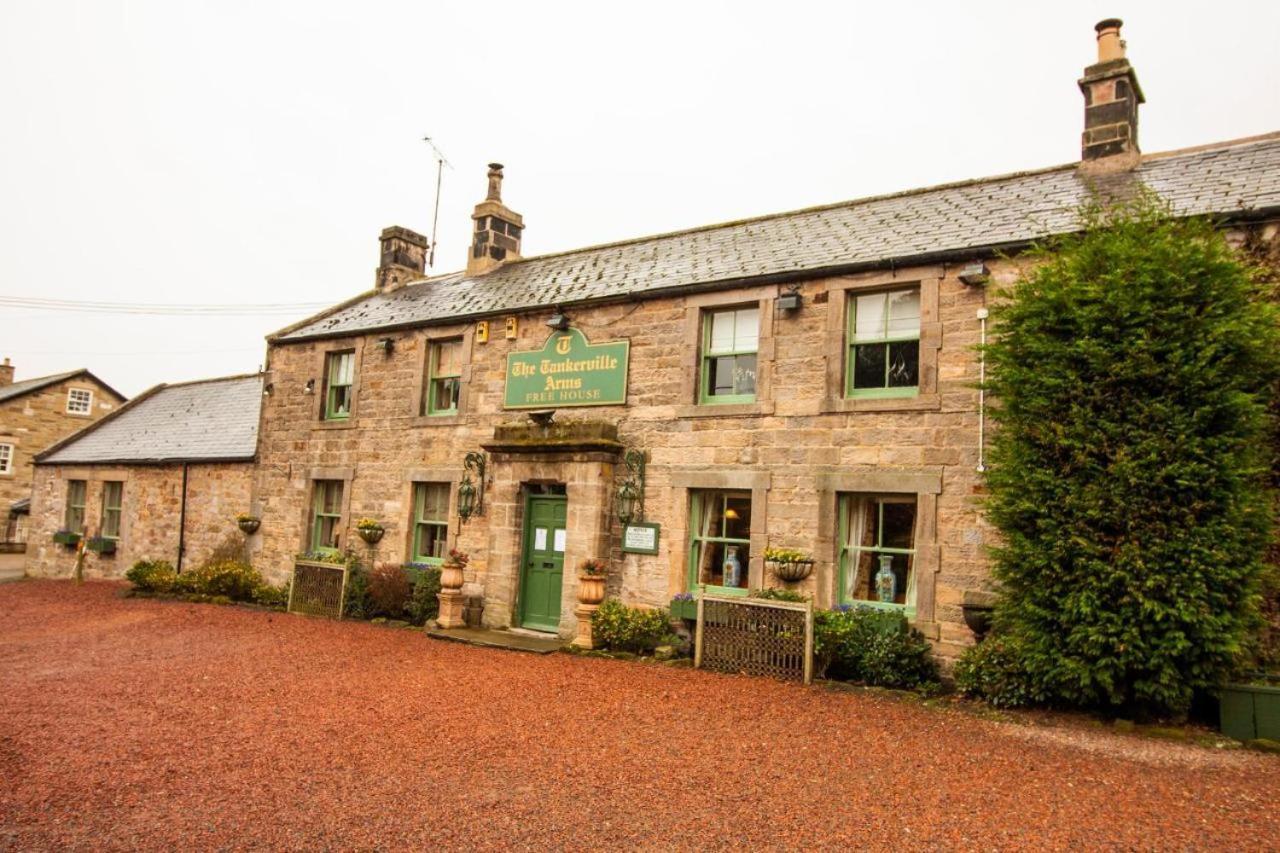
(496, 237)
(1111, 99)
(404, 257)
(6, 373)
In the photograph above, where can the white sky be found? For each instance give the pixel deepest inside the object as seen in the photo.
(250, 152)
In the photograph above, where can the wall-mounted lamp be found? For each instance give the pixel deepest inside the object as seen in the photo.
(471, 496)
(630, 495)
(268, 388)
(975, 274)
(543, 417)
(790, 301)
(310, 387)
(559, 321)
(386, 345)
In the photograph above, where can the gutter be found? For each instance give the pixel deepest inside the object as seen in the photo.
(182, 520)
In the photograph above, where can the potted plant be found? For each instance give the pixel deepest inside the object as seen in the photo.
(370, 530)
(67, 537)
(100, 545)
(591, 581)
(451, 571)
(788, 564)
(684, 606)
(248, 524)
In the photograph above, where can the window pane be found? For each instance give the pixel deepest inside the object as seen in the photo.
(904, 312)
(431, 541)
(433, 501)
(721, 332)
(904, 364)
(722, 370)
(899, 524)
(869, 365)
(737, 517)
(331, 497)
(344, 368)
(746, 330)
(448, 358)
(868, 317)
(444, 395)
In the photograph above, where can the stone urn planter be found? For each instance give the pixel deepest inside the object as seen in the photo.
(452, 603)
(248, 524)
(590, 588)
(978, 608)
(591, 574)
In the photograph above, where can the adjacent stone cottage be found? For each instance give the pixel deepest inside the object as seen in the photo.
(162, 478)
(35, 413)
(677, 404)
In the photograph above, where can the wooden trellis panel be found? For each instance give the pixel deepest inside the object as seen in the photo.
(755, 636)
(318, 589)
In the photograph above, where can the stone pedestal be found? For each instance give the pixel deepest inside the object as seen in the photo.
(584, 613)
(452, 604)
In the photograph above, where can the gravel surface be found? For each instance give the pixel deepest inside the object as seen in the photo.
(148, 724)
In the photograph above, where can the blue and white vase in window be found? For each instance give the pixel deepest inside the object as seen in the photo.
(732, 567)
(886, 580)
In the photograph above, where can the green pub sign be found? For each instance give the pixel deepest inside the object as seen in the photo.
(568, 371)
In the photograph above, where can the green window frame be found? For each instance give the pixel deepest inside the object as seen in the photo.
(112, 505)
(430, 523)
(74, 517)
(883, 357)
(871, 526)
(339, 380)
(6, 458)
(730, 355)
(719, 524)
(326, 523)
(444, 377)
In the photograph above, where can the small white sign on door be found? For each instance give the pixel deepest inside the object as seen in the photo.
(560, 540)
(539, 538)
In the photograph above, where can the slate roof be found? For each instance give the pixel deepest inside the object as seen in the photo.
(27, 386)
(1001, 212)
(213, 420)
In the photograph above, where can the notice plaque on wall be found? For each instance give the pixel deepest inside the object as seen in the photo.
(640, 539)
(568, 371)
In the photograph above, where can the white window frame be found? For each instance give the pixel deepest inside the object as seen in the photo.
(88, 403)
(7, 451)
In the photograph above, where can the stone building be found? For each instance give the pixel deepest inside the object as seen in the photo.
(161, 478)
(805, 380)
(35, 413)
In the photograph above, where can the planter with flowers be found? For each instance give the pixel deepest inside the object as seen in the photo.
(787, 564)
(370, 530)
(248, 524)
(68, 538)
(591, 573)
(100, 545)
(684, 606)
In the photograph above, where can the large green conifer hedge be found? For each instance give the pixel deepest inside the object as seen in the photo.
(1130, 368)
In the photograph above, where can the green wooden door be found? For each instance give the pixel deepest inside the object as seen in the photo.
(542, 571)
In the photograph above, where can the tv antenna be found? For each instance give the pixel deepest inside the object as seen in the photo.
(441, 162)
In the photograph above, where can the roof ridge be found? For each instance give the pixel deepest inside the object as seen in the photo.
(211, 380)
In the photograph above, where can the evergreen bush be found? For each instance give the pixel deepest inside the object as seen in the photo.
(1130, 369)
(155, 576)
(232, 579)
(872, 646)
(423, 604)
(629, 629)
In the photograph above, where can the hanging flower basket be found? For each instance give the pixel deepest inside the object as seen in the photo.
(370, 530)
(248, 524)
(788, 565)
(101, 545)
(67, 537)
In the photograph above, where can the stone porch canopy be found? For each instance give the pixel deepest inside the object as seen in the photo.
(1235, 181)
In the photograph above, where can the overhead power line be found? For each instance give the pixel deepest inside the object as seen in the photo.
(198, 310)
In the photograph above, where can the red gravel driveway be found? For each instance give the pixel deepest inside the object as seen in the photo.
(158, 725)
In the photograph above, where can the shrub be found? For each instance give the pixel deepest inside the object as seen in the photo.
(629, 629)
(358, 604)
(1131, 369)
(389, 589)
(423, 604)
(874, 647)
(152, 576)
(272, 596)
(232, 579)
(775, 594)
(994, 672)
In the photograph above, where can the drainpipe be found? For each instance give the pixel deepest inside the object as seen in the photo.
(182, 519)
(982, 391)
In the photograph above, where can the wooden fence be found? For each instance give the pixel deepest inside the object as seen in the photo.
(755, 636)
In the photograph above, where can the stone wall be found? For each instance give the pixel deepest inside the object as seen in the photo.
(34, 422)
(150, 518)
(795, 448)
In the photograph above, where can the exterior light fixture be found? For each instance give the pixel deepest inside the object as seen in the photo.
(310, 387)
(471, 496)
(559, 321)
(975, 274)
(630, 496)
(268, 388)
(790, 301)
(543, 417)
(386, 345)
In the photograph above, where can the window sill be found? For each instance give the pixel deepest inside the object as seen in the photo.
(917, 403)
(438, 420)
(345, 423)
(725, 410)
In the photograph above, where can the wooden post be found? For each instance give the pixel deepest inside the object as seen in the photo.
(808, 642)
(697, 636)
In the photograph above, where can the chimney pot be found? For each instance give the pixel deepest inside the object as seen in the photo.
(6, 373)
(1110, 46)
(495, 182)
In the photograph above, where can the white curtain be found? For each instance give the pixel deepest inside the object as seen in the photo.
(855, 524)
